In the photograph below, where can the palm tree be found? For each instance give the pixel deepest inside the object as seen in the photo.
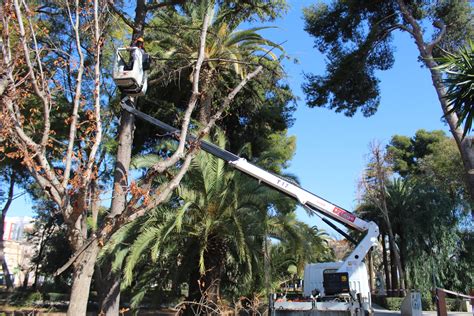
(459, 68)
(400, 206)
(229, 52)
(215, 221)
(298, 244)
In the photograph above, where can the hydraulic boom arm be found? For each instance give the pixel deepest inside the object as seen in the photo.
(310, 201)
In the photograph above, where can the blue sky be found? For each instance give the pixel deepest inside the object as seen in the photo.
(331, 148)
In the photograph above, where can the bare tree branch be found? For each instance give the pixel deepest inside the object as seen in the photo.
(165, 192)
(168, 75)
(228, 100)
(161, 194)
(442, 27)
(3, 84)
(416, 31)
(96, 95)
(159, 5)
(41, 93)
(398, 26)
(125, 18)
(179, 153)
(78, 93)
(26, 144)
(44, 84)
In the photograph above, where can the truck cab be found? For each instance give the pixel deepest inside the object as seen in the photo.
(324, 278)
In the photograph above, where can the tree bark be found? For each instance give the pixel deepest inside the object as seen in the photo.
(205, 288)
(81, 281)
(111, 301)
(402, 259)
(6, 272)
(108, 290)
(396, 255)
(267, 266)
(393, 269)
(464, 144)
(214, 258)
(388, 283)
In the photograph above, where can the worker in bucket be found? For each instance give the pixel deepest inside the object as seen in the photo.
(135, 54)
(139, 42)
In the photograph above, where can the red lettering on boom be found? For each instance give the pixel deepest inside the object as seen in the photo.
(344, 214)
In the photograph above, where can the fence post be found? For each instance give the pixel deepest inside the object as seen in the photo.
(441, 303)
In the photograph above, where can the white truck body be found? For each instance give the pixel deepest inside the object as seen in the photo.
(314, 272)
(355, 303)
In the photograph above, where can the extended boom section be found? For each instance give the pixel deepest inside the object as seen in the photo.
(306, 198)
(331, 287)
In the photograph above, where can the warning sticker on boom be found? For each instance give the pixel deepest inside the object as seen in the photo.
(344, 214)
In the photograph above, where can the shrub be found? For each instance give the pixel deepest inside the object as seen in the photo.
(427, 302)
(53, 296)
(32, 298)
(453, 304)
(21, 298)
(394, 303)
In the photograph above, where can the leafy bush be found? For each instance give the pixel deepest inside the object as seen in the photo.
(22, 298)
(454, 305)
(393, 303)
(427, 302)
(53, 296)
(32, 298)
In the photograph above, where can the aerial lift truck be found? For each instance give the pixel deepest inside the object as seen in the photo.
(330, 288)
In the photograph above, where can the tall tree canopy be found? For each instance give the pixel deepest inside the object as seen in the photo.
(55, 96)
(428, 210)
(357, 38)
(264, 107)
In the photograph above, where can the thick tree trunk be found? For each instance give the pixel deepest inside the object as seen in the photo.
(394, 270)
(124, 155)
(82, 277)
(205, 101)
(400, 277)
(194, 292)
(26, 280)
(214, 259)
(122, 167)
(3, 262)
(267, 267)
(205, 289)
(403, 261)
(108, 290)
(464, 144)
(388, 284)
